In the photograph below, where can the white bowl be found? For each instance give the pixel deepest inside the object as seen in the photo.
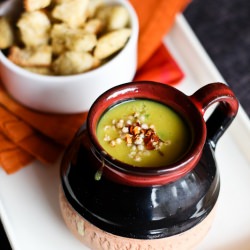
(75, 93)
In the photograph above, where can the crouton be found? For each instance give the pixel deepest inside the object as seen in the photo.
(93, 6)
(7, 33)
(81, 41)
(59, 32)
(118, 18)
(34, 28)
(64, 38)
(94, 26)
(72, 62)
(74, 12)
(111, 42)
(29, 57)
(103, 12)
(31, 5)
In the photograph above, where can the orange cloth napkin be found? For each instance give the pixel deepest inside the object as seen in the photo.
(26, 135)
(155, 20)
(161, 67)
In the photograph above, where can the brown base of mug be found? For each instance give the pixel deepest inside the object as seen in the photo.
(97, 239)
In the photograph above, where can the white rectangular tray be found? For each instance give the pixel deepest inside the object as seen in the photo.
(29, 205)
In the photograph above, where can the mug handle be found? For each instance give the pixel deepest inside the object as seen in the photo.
(224, 113)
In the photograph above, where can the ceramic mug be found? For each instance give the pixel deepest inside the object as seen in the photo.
(166, 207)
(191, 108)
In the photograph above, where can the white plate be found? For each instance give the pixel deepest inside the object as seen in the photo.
(29, 205)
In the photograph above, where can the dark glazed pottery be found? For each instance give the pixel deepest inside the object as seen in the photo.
(149, 203)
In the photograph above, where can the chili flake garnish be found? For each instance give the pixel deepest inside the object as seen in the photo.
(138, 135)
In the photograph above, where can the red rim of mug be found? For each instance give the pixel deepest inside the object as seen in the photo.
(139, 176)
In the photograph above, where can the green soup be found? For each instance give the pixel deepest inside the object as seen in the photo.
(143, 133)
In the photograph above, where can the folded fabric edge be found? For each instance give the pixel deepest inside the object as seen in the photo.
(12, 157)
(161, 67)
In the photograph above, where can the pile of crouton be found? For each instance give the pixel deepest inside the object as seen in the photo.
(65, 37)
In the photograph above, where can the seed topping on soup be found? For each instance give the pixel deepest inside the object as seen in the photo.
(143, 133)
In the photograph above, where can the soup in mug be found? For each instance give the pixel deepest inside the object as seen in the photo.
(143, 133)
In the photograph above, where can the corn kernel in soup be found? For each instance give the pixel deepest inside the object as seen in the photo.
(143, 133)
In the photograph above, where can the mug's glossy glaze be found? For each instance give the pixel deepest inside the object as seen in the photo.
(153, 202)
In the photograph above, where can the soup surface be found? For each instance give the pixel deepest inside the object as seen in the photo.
(143, 133)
